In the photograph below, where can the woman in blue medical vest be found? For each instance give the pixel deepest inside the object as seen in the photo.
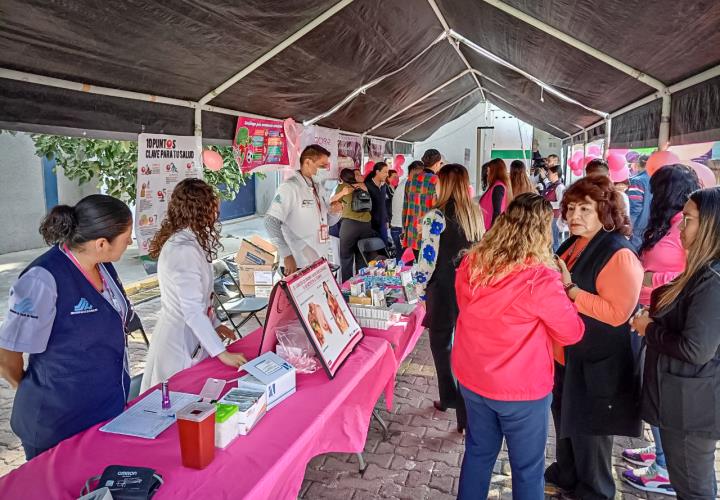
(68, 310)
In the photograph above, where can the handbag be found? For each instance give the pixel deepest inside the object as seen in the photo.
(361, 201)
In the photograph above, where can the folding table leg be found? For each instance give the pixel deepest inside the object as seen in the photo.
(361, 462)
(385, 430)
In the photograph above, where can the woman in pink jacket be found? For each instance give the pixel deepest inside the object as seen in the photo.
(663, 259)
(513, 309)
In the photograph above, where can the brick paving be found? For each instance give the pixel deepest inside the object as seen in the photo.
(419, 460)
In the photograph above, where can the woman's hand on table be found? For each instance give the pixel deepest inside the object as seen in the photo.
(233, 359)
(226, 333)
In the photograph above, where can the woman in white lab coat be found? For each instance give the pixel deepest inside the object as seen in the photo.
(187, 329)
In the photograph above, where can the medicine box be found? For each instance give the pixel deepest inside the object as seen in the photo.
(251, 405)
(271, 373)
(227, 422)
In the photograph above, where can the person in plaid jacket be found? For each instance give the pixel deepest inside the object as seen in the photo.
(420, 198)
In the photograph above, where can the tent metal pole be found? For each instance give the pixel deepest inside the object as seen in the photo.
(275, 51)
(417, 101)
(446, 27)
(91, 89)
(549, 88)
(664, 132)
(574, 42)
(608, 134)
(364, 88)
(695, 79)
(199, 133)
(435, 114)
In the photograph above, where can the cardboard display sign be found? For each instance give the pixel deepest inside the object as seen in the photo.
(313, 298)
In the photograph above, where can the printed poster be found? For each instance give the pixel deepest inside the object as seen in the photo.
(349, 152)
(260, 145)
(376, 150)
(163, 161)
(327, 138)
(318, 305)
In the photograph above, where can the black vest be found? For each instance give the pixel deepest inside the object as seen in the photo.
(600, 390)
(442, 307)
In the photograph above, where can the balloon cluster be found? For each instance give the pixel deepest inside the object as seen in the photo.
(659, 159)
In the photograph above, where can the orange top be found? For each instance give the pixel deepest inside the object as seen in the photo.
(618, 285)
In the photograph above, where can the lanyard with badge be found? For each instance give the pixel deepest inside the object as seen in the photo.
(324, 231)
(105, 285)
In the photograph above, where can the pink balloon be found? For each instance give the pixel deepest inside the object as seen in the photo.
(622, 152)
(616, 161)
(706, 175)
(577, 155)
(368, 167)
(408, 256)
(594, 150)
(398, 162)
(471, 191)
(577, 171)
(212, 160)
(588, 159)
(621, 174)
(659, 159)
(690, 151)
(575, 164)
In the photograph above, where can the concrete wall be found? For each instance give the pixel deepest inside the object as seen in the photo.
(547, 144)
(22, 198)
(22, 195)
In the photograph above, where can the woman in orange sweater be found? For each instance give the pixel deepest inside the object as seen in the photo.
(596, 392)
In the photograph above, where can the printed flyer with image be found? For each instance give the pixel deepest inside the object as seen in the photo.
(163, 161)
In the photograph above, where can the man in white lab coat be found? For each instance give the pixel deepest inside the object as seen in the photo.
(299, 216)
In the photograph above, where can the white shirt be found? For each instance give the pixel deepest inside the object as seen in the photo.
(397, 204)
(185, 331)
(302, 210)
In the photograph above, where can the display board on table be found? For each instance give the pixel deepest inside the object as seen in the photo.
(163, 161)
(312, 298)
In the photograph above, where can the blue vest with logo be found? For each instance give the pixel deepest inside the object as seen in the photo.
(80, 379)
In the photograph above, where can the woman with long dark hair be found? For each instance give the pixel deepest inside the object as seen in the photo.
(663, 259)
(187, 330)
(355, 225)
(69, 311)
(499, 192)
(375, 182)
(682, 365)
(451, 227)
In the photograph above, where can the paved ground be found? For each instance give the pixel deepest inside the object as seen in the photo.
(420, 460)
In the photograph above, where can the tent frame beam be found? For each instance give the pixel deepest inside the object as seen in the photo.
(664, 90)
(425, 120)
(421, 99)
(275, 51)
(446, 28)
(10, 74)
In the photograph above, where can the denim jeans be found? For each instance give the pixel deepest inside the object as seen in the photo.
(659, 453)
(524, 425)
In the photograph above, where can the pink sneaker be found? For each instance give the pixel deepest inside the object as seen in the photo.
(642, 457)
(651, 478)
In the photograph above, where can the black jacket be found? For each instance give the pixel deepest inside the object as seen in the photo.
(379, 213)
(600, 392)
(682, 366)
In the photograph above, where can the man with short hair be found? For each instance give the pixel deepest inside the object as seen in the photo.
(419, 198)
(554, 193)
(299, 215)
(640, 198)
(553, 160)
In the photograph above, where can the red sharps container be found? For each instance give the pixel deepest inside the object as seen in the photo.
(196, 425)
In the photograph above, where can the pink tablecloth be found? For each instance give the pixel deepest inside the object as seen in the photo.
(323, 416)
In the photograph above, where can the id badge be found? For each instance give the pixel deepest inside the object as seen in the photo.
(324, 233)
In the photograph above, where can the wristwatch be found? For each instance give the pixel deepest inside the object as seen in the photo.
(569, 286)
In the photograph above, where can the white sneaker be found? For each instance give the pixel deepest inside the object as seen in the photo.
(642, 457)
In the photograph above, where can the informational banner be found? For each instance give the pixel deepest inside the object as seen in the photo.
(325, 137)
(163, 161)
(349, 152)
(313, 297)
(377, 150)
(260, 145)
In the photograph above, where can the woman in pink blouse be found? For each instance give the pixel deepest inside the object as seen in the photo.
(663, 258)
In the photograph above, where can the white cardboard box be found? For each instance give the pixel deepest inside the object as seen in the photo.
(248, 414)
(271, 373)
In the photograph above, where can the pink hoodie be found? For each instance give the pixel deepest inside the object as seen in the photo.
(503, 347)
(665, 260)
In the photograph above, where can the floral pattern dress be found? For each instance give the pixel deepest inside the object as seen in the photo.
(433, 224)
